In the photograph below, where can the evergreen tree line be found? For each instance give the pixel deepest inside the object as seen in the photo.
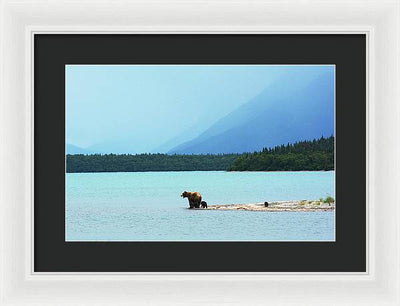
(148, 162)
(303, 155)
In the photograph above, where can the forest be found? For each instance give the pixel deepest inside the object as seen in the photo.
(148, 162)
(317, 154)
(309, 155)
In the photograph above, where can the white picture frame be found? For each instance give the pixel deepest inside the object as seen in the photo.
(379, 20)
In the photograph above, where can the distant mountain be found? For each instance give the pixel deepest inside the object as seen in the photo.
(186, 135)
(126, 145)
(291, 109)
(72, 149)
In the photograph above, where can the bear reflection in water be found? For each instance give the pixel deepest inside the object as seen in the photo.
(194, 199)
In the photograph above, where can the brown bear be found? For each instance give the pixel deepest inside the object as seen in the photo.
(193, 197)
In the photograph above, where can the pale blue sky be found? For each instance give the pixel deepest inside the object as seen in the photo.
(136, 108)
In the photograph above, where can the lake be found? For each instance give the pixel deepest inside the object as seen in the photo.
(146, 206)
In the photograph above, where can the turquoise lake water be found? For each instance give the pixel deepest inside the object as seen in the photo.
(146, 206)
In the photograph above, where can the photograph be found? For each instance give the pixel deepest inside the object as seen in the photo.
(202, 153)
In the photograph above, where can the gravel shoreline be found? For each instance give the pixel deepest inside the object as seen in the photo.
(303, 205)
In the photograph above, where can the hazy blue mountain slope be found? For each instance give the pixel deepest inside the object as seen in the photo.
(291, 109)
(184, 136)
(72, 149)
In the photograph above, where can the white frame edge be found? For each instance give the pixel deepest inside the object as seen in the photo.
(19, 20)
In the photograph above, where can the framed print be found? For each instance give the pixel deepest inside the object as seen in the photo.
(212, 155)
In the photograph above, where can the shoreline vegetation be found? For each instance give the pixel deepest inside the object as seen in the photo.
(304, 205)
(311, 155)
